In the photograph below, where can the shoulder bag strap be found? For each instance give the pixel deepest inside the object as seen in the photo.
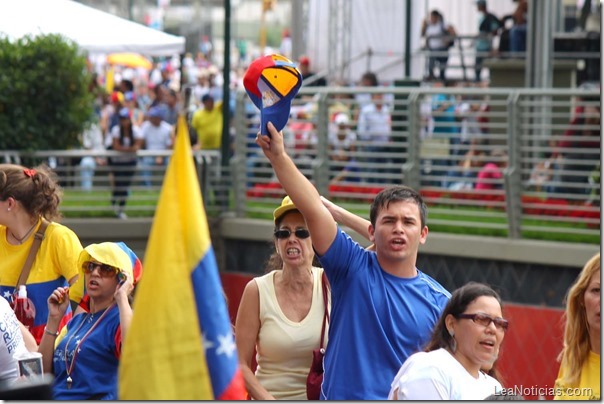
(324, 283)
(38, 237)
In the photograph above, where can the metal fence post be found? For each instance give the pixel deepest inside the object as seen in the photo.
(321, 162)
(513, 173)
(238, 162)
(412, 168)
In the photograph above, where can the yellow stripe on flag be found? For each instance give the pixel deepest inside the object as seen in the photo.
(163, 356)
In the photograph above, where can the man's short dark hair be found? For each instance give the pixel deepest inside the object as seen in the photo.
(397, 193)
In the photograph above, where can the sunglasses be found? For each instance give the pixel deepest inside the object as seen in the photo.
(105, 271)
(285, 233)
(485, 320)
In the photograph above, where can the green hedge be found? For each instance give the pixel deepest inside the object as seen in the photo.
(45, 102)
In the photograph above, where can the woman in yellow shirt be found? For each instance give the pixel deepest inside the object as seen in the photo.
(579, 374)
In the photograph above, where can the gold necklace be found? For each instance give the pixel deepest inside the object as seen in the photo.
(69, 366)
(22, 239)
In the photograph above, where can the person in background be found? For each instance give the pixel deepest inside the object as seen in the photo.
(281, 313)
(84, 356)
(438, 40)
(580, 357)
(490, 175)
(518, 30)
(207, 122)
(308, 75)
(374, 130)
(466, 339)
(158, 135)
(384, 308)
(126, 138)
(344, 167)
(29, 196)
(137, 114)
(15, 339)
(172, 107)
(488, 25)
(93, 140)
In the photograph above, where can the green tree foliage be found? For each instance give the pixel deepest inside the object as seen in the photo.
(44, 98)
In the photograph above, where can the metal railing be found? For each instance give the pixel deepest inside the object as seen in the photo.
(440, 142)
(88, 178)
(542, 148)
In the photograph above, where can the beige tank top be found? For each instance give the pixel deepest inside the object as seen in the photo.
(284, 347)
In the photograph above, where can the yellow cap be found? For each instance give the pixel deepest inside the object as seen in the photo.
(286, 206)
(106, 253)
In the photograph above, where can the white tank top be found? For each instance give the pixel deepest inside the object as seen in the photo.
(284, 347)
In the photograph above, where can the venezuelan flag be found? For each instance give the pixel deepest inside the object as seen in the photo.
(180, 345)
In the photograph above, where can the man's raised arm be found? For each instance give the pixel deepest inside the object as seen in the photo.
(302, 192)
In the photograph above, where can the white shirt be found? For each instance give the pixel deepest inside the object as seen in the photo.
(11, 342)
(157, 137)
(434, 30)
(437, 375)
(374, 124)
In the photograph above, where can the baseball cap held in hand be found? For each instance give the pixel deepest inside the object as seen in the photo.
(272, 82)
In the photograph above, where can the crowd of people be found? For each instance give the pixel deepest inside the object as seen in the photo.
(411, 337)
(393, 333)
(440, 37)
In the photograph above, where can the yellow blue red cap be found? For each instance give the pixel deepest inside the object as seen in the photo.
(272, 82)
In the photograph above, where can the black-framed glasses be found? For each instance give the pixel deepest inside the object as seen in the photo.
(285, 233)
(485, 320)
(105, 271)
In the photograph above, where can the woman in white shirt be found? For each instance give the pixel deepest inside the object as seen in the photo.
(465, 341)
(15, 339)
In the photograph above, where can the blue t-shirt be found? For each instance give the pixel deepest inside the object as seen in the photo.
(377, 321)
(95, 369)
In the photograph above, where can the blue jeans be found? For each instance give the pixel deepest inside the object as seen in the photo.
(518, 38)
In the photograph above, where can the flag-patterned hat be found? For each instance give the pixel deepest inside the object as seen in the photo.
(272, 82)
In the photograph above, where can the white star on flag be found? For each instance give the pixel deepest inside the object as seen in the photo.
(227, 345)
(7, 295)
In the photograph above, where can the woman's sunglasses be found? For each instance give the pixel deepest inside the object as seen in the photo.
(285, 233)
(105, 271)
(485, 320)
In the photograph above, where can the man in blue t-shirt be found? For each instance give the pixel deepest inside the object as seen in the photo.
(383, 307)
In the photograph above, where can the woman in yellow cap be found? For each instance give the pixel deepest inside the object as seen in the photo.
(84, 356)
(281, 314)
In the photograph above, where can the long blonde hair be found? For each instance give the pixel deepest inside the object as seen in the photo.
(576, 334)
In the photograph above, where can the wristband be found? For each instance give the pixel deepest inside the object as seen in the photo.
(54, 334)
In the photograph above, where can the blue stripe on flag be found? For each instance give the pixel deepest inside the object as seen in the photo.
(219, 343)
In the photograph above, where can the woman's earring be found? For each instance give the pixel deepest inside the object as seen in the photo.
(453, 342)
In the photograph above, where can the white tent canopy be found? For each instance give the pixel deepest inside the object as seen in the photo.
(92, 29)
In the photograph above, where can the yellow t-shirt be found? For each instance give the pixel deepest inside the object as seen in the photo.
(589, 383)
(208, 125)
(55, 264)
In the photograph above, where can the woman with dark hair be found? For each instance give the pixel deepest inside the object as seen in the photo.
(126, 138)
(466, 340)
(579, 374)
(84, 356)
